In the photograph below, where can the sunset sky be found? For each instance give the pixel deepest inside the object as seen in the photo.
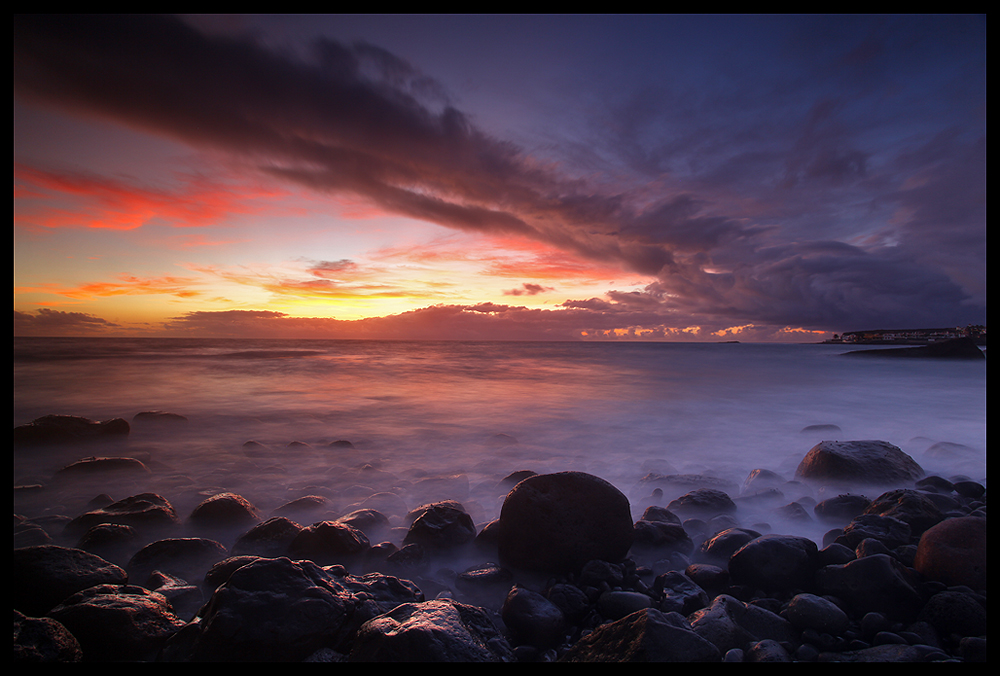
(755, 178)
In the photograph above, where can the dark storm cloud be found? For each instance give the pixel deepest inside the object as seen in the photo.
(47, 322)
(838, 188)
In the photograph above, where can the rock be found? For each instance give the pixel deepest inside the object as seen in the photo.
(767, 650)
(532, 619)
(146, 512)
(440, 630)
(889, 531)
(158, 417)
(660, 538)
(808, 611)
(94, 465)
(558, 522)
(729, 623)
(44, 575)
(841, 509)
(118, 623)
(65, 429)
(644, 636)
(186, 558)
(328, 542)
(955, 348)
(717, 549)
(912, 507)
(441, 526)
(876, 583)
(269, 538)
(761, 480)
(43, 639)
(858, 462)
(703, 502)
(111, 541)
(679, 593)
(775, 563)
(225, 511)
(304, 509)
(954, 552)
(373, 523)
(269, 610)
(614, 605)
(674, 485)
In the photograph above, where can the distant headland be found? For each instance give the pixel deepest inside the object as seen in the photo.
(976, 332)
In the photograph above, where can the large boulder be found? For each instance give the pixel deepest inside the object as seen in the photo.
(869, 462)
(186, 558)
(441, 630)
(269, 610)
(118, 623)
(775, 563)
(873, 584)
(954, 552)
(146, 512)
(644, 636)
(224, 511)
(558, 522)
(43, 639)
(64, 429)
(328, 543)
(44, 575)
(441, 526)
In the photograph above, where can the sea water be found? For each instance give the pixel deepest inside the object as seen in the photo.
(470, 413)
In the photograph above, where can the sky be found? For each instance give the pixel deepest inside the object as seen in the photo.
(499, 177)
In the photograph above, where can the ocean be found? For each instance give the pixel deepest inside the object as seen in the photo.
(453, 418)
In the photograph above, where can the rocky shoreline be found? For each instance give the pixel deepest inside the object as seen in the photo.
(707, 573)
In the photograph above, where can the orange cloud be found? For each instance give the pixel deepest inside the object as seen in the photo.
(126, 285)
(65, 199)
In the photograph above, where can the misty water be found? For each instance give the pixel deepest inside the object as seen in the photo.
(468, 413)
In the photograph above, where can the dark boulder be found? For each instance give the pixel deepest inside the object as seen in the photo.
(889, 531)
(94, 465)
(532, 619)
(679, 593)
(146, 512)
(877, 583)
(912, 507)
(646, 635)
(186, 558)
(558, 522)
(64, 429)
(775, 563)
(703, 503)
(42, 639)
(224, 511)
(842, 508)
(118, 623)
(441, 526)
(440, 630)
(954, 552)
(270, 538)
(328, 542)
(858, 462)
(717, 549)
(729, 623)
(44, 575)
(269, 610)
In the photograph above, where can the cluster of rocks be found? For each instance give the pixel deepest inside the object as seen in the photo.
(563, 574)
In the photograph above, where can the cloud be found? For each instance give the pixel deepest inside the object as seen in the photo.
(777, 200)
(48, 322)
(528, 289)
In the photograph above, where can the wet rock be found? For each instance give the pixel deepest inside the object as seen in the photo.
(876, 583)
(858, 462)
(440, 630)
(954, 552)
(558, 522)
(644, 636)
(270, 538)
(729, 623)
(42, 639)
(660, 538)
(809, 611)
(767, 650)
(186, 558)
(760, 480)
(304, 509)
(717, 549)
(775, 563)
(44, 575)
(269, 610)
(118, 623)
(841, 509)
(889, 531)
(225, 511)
(679, 593)
(94, 465)
(703, 502)
(158, 418)
(614, 605)
(441, 526)
(113, 542)
(65, 429)
(328, 542)
(532, 619)
(912, 507)
(146, 512)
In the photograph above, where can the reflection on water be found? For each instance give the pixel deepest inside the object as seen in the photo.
(483, 410)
